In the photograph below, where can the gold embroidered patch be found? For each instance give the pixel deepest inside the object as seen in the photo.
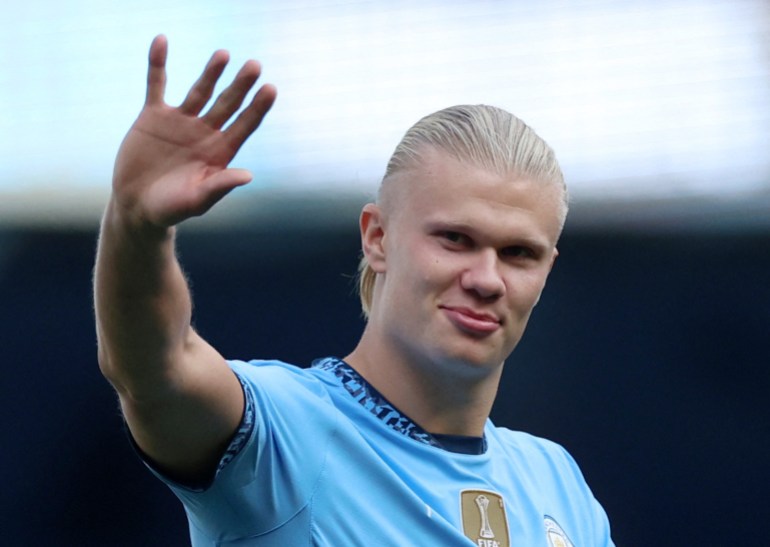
(484, 520)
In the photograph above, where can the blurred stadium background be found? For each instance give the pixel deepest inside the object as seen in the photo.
(648, 356)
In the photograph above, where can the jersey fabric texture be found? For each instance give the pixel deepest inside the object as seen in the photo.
(322, 459)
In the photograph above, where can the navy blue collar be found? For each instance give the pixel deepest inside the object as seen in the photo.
(371, 399)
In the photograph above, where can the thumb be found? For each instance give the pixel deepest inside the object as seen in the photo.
(221, 183)
(227, 179)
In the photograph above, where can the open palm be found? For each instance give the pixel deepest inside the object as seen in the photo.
(173, 163)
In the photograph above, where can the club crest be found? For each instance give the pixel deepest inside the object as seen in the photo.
(556, 536)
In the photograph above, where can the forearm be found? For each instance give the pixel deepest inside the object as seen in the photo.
(142, 303)
(180, 399)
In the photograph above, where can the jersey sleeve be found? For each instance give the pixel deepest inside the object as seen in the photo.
(274, 461)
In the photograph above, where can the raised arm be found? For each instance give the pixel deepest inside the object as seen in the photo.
(180, 399)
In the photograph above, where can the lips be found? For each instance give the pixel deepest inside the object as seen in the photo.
(471, 321)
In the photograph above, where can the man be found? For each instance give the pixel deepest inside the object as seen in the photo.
(391, 445)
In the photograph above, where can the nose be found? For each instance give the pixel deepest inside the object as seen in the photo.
(482, 275)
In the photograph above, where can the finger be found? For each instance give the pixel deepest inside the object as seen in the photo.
(156, 70)
(218, 185)
(251, 117)
(230, 100)
(201, 91)
(227, 179)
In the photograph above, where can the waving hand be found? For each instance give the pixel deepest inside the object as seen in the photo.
(173, 163)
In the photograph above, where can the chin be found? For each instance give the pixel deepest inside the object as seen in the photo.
(473, 364)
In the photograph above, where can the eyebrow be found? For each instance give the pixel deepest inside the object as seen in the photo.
(537, 244)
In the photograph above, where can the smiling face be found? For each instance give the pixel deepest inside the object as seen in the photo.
(462, 255)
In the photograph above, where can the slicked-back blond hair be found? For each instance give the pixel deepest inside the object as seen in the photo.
(485, 136)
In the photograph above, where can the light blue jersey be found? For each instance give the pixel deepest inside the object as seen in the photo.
(322, 459)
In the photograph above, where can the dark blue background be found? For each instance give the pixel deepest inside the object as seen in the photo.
(647, 358)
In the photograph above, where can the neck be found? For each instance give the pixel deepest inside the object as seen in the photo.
(441, 397)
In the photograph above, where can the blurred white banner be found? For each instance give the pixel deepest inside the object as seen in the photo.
(651, 106)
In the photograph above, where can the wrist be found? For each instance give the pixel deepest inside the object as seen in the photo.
(132, 224)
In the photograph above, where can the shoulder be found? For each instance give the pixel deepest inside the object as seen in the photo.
(285, 396)
(521, 440)
(539, 455)
(258, 368)
(272, 376)
(553, 479)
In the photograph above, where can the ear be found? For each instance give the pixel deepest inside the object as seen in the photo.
(373, 236)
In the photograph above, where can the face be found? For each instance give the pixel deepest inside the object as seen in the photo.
(462, 256)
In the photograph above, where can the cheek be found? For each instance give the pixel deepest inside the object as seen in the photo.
(412, 279)
(423, 267)
(438, 273)
(419, 262)
(524, 290)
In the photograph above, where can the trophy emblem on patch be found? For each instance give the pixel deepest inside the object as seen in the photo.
(484, 519)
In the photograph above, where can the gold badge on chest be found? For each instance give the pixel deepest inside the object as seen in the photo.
(484, 520)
